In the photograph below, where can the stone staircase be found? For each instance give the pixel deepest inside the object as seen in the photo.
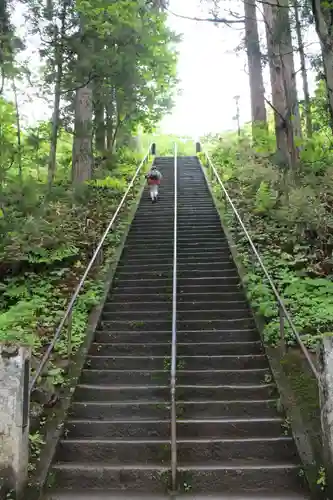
(231, 439)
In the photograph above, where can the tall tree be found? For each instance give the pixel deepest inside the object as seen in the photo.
(322, 12)
(7, 43)
(283, 81)
(53, 21)
(301, 51)
(252, 43)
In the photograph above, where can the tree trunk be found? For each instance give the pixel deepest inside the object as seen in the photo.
(18, 131)
(287, 56)
(307, 101)
(259, 116)
(110, 121)
(99, 121)
(58, 55)
(280, 83)
(322, 17)
(82, 158)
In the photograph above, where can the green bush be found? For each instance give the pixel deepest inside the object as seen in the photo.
(289, 218)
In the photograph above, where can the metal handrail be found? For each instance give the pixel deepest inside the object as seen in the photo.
(283, 313)
(67, 317)
(174, 339)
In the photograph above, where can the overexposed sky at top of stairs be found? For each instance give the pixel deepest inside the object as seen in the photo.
(210, 72)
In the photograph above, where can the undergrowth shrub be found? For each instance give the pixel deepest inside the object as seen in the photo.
(289, 217)
(47, 239)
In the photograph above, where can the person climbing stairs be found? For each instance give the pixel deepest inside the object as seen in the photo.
(231, 439)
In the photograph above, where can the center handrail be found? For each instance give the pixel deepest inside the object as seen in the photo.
(174, 339)
(66, 319)
(283, 313)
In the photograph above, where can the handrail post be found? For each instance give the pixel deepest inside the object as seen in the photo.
(174, 340)
(69, 334)
(282, 331)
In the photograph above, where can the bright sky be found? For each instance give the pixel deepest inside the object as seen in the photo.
(210, 74)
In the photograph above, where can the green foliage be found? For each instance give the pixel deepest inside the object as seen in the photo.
(165, 144)
(290, 221)
(48, 237)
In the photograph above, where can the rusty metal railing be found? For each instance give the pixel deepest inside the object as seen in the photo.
(283, 313)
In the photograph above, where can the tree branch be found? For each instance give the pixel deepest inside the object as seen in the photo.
(217, 20)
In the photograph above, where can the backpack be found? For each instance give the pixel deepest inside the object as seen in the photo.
(154, 175)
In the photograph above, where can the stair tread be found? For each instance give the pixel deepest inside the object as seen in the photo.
(124, 387)
(200, 356)
(232, 330)
(118, 387)
(212, 371)
(189, 402)
(180, 420)
(260, 464)
(102, 465)
(109, 495)
(83, 440)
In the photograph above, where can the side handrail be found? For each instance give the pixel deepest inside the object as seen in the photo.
(283, 313)
(67, 317)
(174, 339)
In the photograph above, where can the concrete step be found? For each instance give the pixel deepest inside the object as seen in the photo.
(142, 229)
(138, 393)
(153, 451)
(139, 228)
(160, 410)
(163, 336)
(182, 273)
(104, 495)
(234, 316)
(151, 325)
(141, 428)
(206, 282)
(125, 297)
(220, 294)
(137, 323)
(247, 449)
(85, 392)
(100, 410)
(125, 377)
(228, 428)
(261, 476)
(135, 477)
(217, 286)
(243, 362)
(183, 348)
(182, 305)
(115, 451)
(143, 287)
(186, 428)
(166, 242)
(162, 377)
(225, 392)
(184, 265)
(166, 258)
(226, 409)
